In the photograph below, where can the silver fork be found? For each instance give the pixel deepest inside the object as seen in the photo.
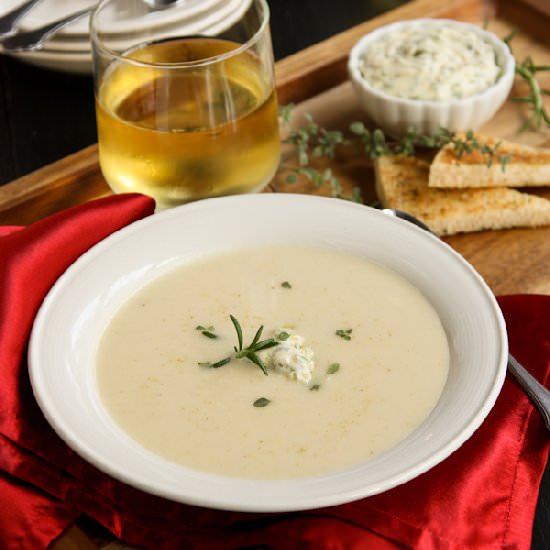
(35, 38)
(9, 20)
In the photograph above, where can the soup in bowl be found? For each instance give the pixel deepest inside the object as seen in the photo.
(268, 353)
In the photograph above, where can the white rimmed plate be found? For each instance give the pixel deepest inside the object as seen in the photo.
(208, 24)
(50, 10)
(71, 53)
(65, 62)
(75, 313)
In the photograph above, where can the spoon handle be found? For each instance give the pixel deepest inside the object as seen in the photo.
(534, 389)
(33, 40)
(8, 21)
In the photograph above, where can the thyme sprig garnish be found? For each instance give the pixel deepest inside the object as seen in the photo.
(375, 144)
(249, 352)
(345, 334)
(528, 70)
(207, 331)
(314, 142)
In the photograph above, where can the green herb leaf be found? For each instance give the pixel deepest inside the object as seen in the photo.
(286, 284)
(504, 160)
(207, 331)
(528, 71)
(257, 337)
(508, 38)
(315, 387)
(261, 402)
(334, 367)
(285, 113)
(345, 334)
(239, 331)
(252, 356)
(265, 344)
(217, 364)
(283, 336)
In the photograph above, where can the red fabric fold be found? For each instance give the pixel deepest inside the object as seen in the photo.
(483, 496)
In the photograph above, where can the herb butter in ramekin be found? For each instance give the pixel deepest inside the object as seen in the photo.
(431, 73)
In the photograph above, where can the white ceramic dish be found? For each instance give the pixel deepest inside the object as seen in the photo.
(50, 10)
(76, 311)
(396, 115)
(65, 62)
(211, 23)
(70, 52)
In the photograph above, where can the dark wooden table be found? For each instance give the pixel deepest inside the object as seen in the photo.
(46, 115)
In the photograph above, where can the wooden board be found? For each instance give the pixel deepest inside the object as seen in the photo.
(515, 261)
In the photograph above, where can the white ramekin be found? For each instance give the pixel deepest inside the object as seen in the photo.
(395, 115)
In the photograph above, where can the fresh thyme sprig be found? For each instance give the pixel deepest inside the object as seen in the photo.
(249, 352)
(469, 144)
(345, 334)
(312, 141)
(375, 144)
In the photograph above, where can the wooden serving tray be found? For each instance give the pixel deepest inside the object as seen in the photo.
(315, 80)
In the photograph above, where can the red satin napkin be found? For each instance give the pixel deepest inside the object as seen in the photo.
(483, 496)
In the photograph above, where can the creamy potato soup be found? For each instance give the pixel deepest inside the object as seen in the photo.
(358, 359)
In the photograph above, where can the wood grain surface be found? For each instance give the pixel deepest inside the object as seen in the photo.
(514, 261)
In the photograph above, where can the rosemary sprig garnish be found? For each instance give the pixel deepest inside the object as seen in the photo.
(528, 70)
(249, 352)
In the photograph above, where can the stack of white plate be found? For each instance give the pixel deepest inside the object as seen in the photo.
(69, 49)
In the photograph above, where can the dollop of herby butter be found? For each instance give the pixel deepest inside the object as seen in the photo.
(430, 62)
(291, 357)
